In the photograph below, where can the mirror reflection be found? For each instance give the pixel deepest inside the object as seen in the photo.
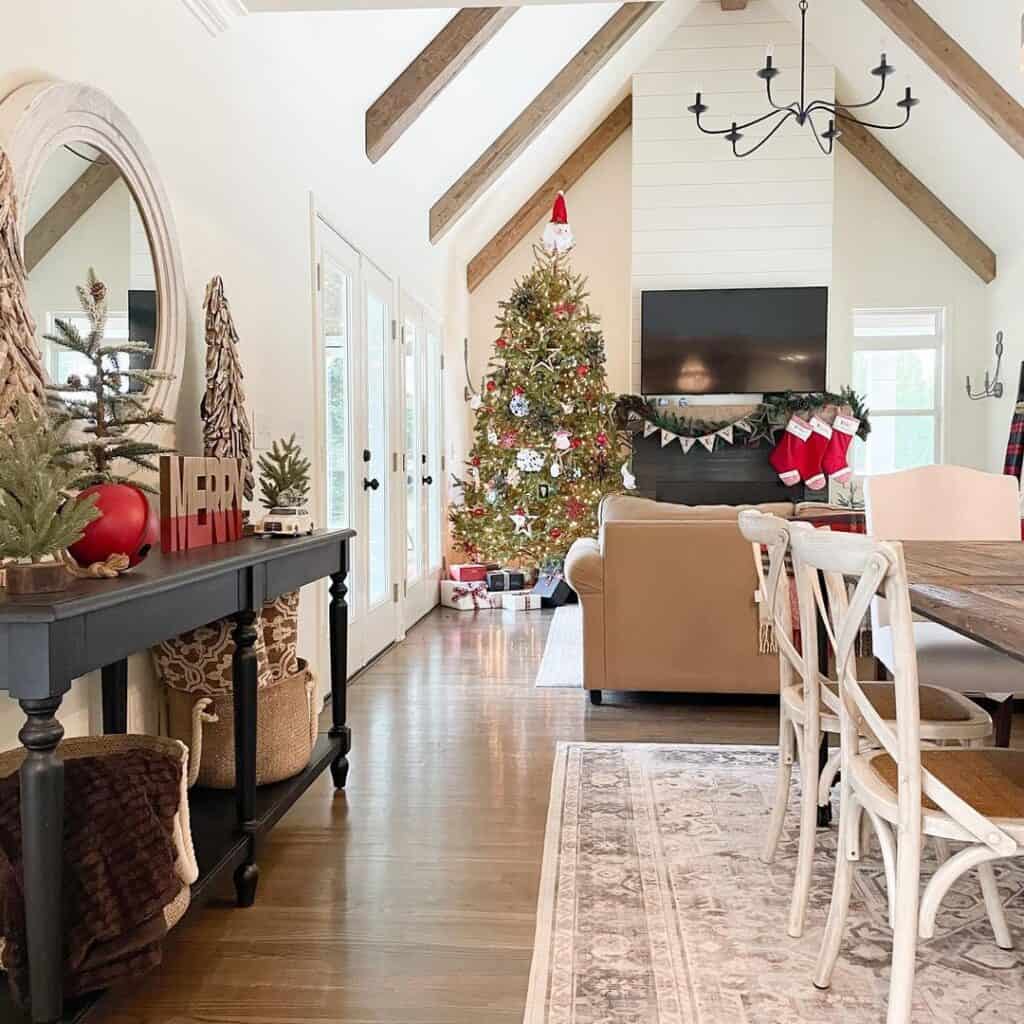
(81, 214)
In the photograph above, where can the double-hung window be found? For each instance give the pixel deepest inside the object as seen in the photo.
(898, 368)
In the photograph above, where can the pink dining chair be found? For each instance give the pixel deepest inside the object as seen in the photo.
(948, 503)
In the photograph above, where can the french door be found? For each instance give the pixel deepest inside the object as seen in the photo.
(359, 370)
(422, 458)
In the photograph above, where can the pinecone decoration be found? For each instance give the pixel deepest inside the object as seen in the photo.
(524, 298)
(98, 290)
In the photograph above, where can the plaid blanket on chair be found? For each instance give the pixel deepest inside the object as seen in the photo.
(1014, 461)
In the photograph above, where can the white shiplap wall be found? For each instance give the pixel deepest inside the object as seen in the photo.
(701, 217)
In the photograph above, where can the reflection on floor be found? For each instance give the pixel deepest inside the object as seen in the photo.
(410, 899)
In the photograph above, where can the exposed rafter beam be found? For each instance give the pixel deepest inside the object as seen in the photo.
(920, 200)
(955, 66)
(734, 5)
(526, 217)
(435, 66)
(552, 99)
(60, 218)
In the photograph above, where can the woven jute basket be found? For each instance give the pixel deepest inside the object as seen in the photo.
(286, 730)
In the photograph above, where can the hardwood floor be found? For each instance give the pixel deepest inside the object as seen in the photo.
(410, 898)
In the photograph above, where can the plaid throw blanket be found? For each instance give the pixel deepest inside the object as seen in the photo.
(1014, 461)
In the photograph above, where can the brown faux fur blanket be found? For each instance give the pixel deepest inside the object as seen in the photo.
(118, 868)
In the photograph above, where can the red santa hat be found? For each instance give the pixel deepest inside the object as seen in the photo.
(557, 233)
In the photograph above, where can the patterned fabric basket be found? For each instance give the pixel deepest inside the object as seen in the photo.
(286, 730)
(199, 661)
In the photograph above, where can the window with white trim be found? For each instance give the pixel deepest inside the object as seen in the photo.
(898, 368)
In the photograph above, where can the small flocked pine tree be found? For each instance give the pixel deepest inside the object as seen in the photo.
(546, 447)
(110, 401)
(284, 475)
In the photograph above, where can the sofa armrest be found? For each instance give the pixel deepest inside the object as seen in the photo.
(584, 567)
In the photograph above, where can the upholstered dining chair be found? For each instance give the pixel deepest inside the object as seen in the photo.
(907, 789)
(809, 704)
(948, 503)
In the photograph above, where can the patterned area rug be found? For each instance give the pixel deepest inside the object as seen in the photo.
(562, 664)
(655, 909)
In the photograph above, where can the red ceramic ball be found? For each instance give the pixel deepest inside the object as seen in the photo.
(129, 525)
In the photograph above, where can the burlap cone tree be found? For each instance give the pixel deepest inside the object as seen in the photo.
(227, 431)
(22, 379)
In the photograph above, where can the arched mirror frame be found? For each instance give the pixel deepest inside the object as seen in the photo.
(37, 118)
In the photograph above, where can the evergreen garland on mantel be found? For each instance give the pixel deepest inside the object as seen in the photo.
(766, 419)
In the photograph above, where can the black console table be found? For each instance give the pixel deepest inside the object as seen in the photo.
(47, 642)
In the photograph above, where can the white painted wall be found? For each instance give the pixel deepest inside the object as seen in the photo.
(701, 217)
(885, 258)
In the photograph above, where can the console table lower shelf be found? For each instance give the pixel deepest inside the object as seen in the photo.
(221, 850)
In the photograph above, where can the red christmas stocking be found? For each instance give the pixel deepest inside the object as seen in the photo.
(787, 457)
(814, 454)
(835, 463)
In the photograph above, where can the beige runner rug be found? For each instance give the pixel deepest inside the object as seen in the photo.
(654, 907)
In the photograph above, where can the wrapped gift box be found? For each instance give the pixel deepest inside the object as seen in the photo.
(465, 597)
(520, 602)
(505, 579)
(468, 572)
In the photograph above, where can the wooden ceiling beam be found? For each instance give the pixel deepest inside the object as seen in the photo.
(955, 66)
(68, 210)
(548, 103)
(434, 67)
(920, 200)
(734, 5)
(519, 225)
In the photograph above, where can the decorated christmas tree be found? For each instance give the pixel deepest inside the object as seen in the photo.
(109, 402)
(546, 446)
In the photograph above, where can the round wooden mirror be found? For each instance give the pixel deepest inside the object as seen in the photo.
(89, 196)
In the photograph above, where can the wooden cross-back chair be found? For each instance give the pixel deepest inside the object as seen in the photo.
(907, 789)
(809, 704)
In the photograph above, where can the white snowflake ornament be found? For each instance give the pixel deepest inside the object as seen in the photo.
(529, 460)
(519, 406)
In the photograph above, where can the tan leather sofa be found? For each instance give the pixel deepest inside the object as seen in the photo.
(667, 593)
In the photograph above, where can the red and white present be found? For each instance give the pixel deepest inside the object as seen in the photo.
(465, 597)
(521, 601)
(468, 572)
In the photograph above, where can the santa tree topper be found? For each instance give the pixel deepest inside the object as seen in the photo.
(557, 234)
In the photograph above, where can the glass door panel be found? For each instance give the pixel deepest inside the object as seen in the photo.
(413, 426)
(336, 321)
(378, 334)
(433, 478)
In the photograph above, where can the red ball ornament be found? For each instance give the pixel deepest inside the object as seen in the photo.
(478, 512)
(475, 460)
(582, 370)
(501, 343)
(555, 533)
(518, 390)
(576, 442)
(491, 385)
(128, 526)
(601, 439)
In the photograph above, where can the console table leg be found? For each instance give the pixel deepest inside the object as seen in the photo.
(115, 697)
(42, 830)
(245, 680)
(338, 616)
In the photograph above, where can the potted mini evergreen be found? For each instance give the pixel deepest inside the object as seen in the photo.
(38, 518)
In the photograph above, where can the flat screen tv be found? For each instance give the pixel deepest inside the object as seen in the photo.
(733, 341)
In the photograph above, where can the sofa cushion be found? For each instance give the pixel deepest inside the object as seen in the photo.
(629, 508)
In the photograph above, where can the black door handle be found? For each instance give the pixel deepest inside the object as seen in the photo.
(370, 484)
(428, 480)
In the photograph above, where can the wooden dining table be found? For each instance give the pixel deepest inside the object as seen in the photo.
(975, 588)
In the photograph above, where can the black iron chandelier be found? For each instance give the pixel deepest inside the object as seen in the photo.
(802, 111)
